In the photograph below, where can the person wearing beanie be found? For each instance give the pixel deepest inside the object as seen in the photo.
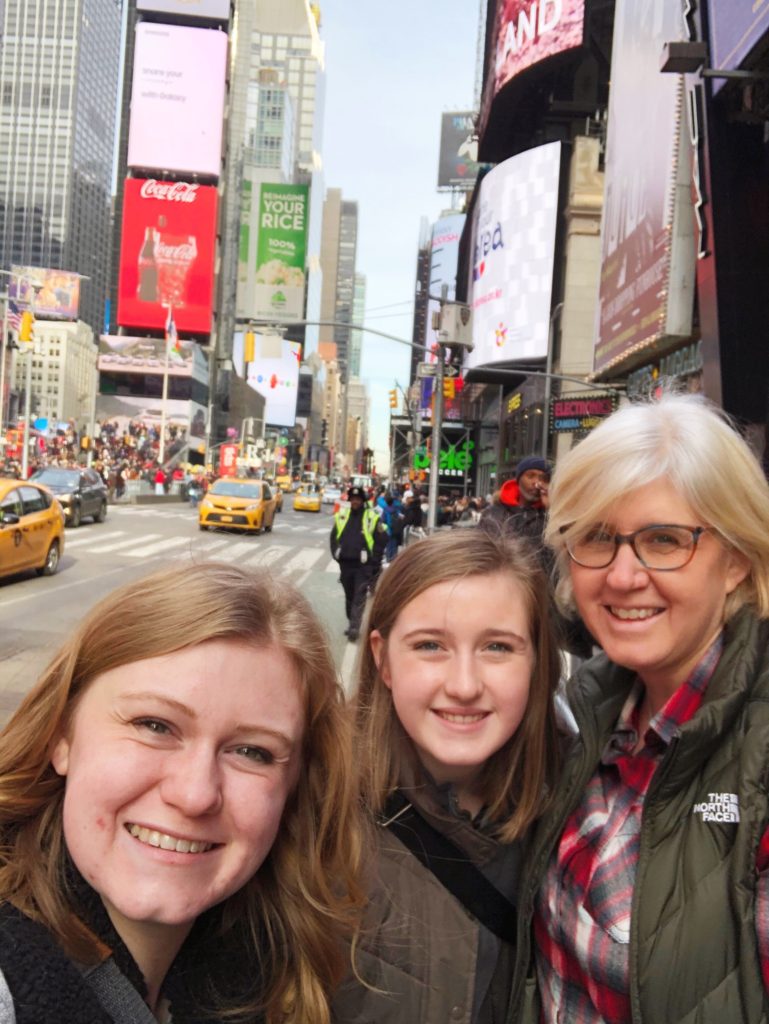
(520, 505)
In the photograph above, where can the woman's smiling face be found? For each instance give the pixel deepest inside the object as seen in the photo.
(458, 662)
(178, 769)
(659, 624)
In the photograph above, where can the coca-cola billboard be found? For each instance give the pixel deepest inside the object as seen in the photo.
(167, 255)
(177, 99)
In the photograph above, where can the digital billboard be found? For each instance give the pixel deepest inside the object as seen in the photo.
(528, 31)
(458, 161)
(177, 99)
(513, 246)
(647, 243)
(119, 353)
(56, 298)
(124, 409)
(273, 251)
(735, 28)
(274, 374)
(211, 9)
(167, 254)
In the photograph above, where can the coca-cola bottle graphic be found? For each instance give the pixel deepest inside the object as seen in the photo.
(148, 269)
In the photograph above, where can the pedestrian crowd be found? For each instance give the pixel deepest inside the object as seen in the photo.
(119, 454)
(197, 826)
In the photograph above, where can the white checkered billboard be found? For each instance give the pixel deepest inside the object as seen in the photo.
(514, 228)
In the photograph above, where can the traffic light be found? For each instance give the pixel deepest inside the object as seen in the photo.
(394, 399)
(324, 432)
(26, 328)
(249, 347)
(448, 387)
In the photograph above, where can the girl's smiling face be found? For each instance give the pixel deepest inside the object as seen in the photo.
(458, 662)
(177, 770)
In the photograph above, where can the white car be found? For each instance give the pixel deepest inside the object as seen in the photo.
(331, 495)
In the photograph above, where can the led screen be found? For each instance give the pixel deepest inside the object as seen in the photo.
(513, 245)
(167, 255)
(177, 101)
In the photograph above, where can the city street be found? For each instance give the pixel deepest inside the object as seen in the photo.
(37, 613)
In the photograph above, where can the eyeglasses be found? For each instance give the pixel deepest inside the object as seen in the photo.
(660, 547)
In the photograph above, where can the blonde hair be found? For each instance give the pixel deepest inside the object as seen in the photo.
(689, 442)
(517, 777)
(304, 901)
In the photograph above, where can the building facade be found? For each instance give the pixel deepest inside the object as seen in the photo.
(63, 372)
(59, 71)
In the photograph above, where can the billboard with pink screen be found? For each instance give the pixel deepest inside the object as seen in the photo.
(177, 100)
(527, 32)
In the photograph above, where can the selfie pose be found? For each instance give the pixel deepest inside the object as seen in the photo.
(457, 746)
(177, 820)
(649, 873)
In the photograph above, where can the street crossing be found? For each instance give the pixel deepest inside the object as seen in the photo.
(293, 560)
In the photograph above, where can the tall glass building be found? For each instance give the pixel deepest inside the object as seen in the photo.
(59, 73)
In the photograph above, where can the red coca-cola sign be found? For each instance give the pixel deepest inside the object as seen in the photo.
(167, 255)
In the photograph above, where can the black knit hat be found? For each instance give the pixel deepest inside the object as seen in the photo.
(531, 462)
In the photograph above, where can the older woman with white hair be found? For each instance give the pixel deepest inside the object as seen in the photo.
(648, 878)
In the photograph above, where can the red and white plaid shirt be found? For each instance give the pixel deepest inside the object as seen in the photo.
(582, 919)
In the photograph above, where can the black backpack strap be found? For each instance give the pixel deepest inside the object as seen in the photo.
(452, 867)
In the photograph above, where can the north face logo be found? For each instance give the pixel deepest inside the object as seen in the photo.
(719, 807)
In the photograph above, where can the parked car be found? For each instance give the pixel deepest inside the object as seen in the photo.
(238, 504)
(31, 529)
(307, 498)
(81, 492)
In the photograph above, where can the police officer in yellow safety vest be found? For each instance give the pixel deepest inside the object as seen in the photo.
(358, 540)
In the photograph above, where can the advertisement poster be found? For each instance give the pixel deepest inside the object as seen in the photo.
(167, 255)
(735, 28)
(647, 186)
(513, 243)
(528, 31)
(58, 296)
(458, 162)
(177, 99)
(210, 9)
(188, 417)
(281, 248)
(119, 353)
(274, 374)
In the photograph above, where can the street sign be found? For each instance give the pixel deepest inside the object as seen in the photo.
(426, 369)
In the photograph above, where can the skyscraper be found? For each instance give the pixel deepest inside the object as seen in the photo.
(339, 241)
(59, 70)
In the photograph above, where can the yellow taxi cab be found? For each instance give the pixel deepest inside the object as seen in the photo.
(277, 493)
(31, 528)
(237, 503)
(308, 498)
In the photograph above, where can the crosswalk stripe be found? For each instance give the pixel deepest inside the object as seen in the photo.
(88, 538)
(102, 549)
(305, 558)
(333, 566)
(160, 547)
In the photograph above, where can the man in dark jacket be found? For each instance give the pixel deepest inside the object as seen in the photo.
(358, 539)
(521, 505)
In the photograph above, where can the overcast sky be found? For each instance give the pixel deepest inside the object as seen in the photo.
(391, 71)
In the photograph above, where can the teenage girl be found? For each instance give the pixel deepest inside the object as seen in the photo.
(458, 752)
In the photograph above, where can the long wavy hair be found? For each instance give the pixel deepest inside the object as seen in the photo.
(518, 778)
(305, 900)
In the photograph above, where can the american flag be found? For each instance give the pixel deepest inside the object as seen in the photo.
(14, 316)
(172, 337)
